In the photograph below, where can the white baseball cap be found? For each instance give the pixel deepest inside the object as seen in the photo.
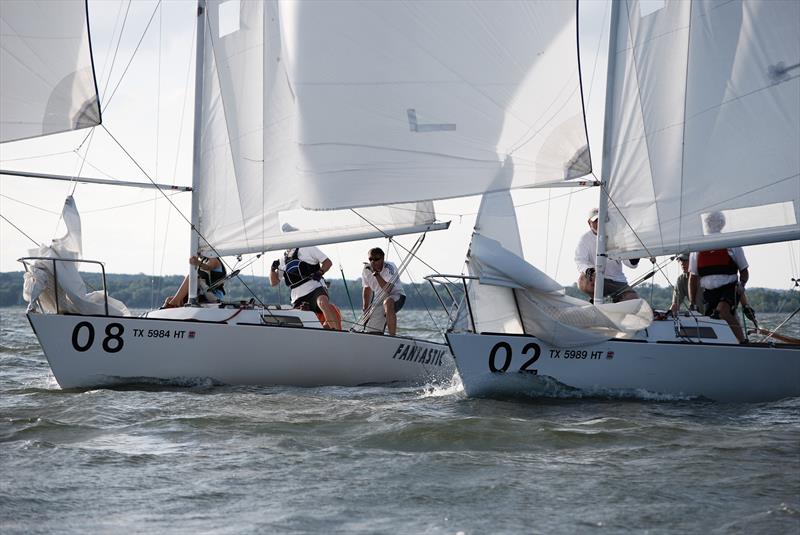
(593, 214)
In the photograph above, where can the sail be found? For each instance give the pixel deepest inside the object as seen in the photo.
(512, 296)
(250, 188)
(702, 119)
(377, 103)
(47, 81)
(493, 306)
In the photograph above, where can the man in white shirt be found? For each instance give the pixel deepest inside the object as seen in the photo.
(722, 275)
(614, 284)
(379, 278)
(302, 269)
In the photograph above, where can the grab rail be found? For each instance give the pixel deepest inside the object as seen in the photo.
(55, 273)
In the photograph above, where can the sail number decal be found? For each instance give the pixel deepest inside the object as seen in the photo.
(501, 354)
(112, 343)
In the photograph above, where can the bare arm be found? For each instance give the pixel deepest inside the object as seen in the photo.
(326, 265)
(273, 277)
(744, 276)
(382, 283)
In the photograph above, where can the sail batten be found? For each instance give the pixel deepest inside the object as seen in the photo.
(701, 120)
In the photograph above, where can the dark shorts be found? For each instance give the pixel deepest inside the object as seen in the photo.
(611, 287)
(309, 301)
(715, 296)
(398, 305)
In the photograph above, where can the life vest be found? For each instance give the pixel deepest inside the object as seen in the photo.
(211, 277)
(295, 271)
(716, 262)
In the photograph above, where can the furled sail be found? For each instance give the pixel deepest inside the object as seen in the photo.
(703, 117)
(512, 296)
(47, 81)
(250, 186)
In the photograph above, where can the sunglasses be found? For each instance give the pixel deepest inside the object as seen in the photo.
(374, 259)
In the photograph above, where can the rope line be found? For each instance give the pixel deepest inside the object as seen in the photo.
(19, 230)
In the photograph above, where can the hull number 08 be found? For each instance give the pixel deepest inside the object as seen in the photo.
(112, 343)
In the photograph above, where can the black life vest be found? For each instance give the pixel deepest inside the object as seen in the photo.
(295, 271)
(716, 262)
(211, 277)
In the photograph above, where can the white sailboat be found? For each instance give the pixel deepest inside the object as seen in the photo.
(702, 115)
(246, 198)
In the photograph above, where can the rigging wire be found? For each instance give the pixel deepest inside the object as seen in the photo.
(116, 49)
(134, 203)
(177, 152)
(36, 157)
(389, 237)
(124, 72)
(439, 329)
(19, 230)
(163, 193)
(28, 205)
(636, 235)
(156, 143)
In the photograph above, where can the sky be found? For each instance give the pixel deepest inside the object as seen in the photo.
(150, 113)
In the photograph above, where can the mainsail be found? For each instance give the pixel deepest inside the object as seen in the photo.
(47, 81)
(703, 117)
(376, 103)
(250, 187)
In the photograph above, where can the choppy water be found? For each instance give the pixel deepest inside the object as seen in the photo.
(381, 459)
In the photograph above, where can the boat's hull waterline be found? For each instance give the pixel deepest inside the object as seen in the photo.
(96, 351)
(502, 365)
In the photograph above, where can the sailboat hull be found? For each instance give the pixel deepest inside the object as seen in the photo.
(517, 365)
(93, 351)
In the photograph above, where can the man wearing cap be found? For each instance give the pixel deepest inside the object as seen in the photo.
(615, 284)
(680, 293)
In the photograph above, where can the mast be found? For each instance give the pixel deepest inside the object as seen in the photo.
(602, 212)
(194, 238)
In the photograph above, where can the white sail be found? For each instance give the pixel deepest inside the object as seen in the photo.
(47, 81)
(512, 296)
(493, 306)
(703, 116)
(250, 189)
(375, 103)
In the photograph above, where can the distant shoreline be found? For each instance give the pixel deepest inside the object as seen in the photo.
(146, 291)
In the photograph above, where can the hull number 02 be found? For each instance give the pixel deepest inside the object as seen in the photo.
(83, 337)
(500, 357)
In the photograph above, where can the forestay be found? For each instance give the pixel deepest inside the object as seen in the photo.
(250, 188)
(388, 102)
(47, 81)
(703, 116)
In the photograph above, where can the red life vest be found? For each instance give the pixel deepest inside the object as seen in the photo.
(716, 262)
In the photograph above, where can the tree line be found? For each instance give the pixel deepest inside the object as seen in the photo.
(146, 291)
